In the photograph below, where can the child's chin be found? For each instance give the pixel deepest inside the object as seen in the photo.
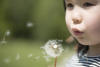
(88, 43)
(84, 42)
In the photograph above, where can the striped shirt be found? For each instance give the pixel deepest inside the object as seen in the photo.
(92, 61)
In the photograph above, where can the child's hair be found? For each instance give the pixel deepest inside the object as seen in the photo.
(80, 48)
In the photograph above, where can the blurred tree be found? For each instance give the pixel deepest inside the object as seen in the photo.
(47, 17)
(18, 14)
(3, 22)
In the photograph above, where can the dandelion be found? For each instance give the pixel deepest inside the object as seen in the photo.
(53, 48)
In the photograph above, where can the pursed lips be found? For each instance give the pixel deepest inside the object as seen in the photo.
(77, 32)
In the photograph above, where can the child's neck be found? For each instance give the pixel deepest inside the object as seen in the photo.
(94, 50)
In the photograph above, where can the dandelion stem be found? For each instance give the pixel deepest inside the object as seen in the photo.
(55, 61)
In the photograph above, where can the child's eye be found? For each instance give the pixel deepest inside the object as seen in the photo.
(87, 4)
(70, 6)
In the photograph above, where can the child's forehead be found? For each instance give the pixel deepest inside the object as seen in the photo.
(75, 0)
(82, 1)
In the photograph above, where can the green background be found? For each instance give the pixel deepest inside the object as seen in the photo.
(23, 43)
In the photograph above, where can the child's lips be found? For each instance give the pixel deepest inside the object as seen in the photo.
(77, 32)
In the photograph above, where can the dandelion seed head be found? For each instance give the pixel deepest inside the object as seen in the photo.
(53, 48)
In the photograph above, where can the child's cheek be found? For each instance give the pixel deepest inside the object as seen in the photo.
(68, 25)
(68, 22)
(93, 21)
(93, 27)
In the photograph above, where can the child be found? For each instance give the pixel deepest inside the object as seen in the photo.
(83, 21)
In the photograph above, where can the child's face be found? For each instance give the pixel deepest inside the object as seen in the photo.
(83, 20)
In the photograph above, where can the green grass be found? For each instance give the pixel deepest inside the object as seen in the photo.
(25, 53)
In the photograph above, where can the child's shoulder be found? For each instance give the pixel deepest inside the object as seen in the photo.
(72, 60)
(84, 61)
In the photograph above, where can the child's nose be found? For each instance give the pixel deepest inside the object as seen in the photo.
(77, 19)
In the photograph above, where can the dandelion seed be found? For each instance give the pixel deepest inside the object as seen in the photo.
(49, 66)
(3, 42)
(30, 55)
(42, 47)
(7, 33)
(47, 58)
(37, 57)
(43, 53)
(18, 56)
(29, 24)
(6, 60)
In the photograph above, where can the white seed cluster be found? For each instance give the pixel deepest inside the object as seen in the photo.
(53, 48)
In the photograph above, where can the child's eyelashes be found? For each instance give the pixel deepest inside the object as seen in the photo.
(71, 6)
(87, 4)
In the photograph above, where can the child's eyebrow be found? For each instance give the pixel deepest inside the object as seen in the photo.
(68, 0)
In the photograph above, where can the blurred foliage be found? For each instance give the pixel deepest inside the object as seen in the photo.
(47, 17)
(20, 54)
(39, 20)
